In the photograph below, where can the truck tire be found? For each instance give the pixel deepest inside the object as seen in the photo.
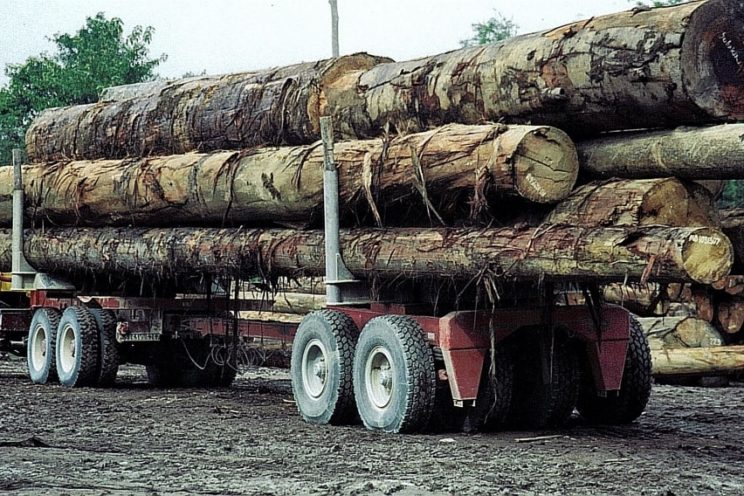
(494, 394)
(536, 405)
(77, 348)
(321, 367)
(109, 348)
(635, 389)
(40, 351)
(394, 375)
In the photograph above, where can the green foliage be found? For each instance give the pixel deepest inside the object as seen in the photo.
(495, 29)
(99, 55)
(733, 195)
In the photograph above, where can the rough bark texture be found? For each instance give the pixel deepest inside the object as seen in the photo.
(732, 222)
(698, 361)
(730, 315)
(667, 202)
(706, 153)
(636, 69)
(641, 299)
(679, 332)
(440, 170)
(280, 105)
(703, 300)
(553, 252)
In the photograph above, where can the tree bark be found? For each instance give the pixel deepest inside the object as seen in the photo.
(440, 170)
(273, 106)
(630, 70)
(679, 332)
(623, 202)
(690, 153)
(703, 300)
(641, 299)
(697, 361)
(730, 315)
(553, 252)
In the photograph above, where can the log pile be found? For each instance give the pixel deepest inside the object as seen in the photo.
(512, 161)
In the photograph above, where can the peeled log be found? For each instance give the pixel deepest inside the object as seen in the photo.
(697, 361)
(679, 332)
(630, 70)
(286, 184)
(273, 106)
(706, 153)
(551, 252)
(623, 202)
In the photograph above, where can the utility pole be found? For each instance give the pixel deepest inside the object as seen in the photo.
(334, 27)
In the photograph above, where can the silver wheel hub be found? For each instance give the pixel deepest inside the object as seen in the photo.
(67, 349)
(39, 348)
(378, 377)
(314, 368)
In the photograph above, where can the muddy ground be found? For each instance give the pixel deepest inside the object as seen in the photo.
(250, 440)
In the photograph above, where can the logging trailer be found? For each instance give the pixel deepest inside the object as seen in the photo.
(399, 367)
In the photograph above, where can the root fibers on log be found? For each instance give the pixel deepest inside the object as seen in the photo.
(262, 185)
(612, 254)
(273, 106)
(630, 70)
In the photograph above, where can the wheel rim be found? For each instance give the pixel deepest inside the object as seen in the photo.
(378, 377)
(67, 351)
(314, 368)
(39, 347)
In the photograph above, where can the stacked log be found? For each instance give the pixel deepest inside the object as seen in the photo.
(222, 175)
(285, 184)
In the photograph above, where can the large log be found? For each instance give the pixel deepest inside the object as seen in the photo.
(641, 299)
(273, 106)
(549, 252)
(474, 163)
(636, 69)
(730, 315)
(692, 153)
(622, 202)
(697, 361)
(679, 332)
(732, 222)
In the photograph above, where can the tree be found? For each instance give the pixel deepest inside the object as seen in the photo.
(334, 27)
(495, 29)
(99, 55)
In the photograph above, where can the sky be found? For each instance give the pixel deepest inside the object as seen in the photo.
(221, 36)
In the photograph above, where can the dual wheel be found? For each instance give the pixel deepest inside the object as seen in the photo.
(386, 375)
(77, 347)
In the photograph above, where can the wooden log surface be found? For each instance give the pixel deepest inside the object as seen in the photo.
(478, 163)
(730, 315)
(273, 106)
(697, 361)
(623, 202)
(679, 332)
(715, 152)
(702, 297)
(551, 252)
(641, 299)
(630, 70)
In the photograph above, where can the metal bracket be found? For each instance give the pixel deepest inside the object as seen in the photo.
(23, 276)
(342, 288)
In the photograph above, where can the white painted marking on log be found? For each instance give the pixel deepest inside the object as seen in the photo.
(536, 185)
(705, 240)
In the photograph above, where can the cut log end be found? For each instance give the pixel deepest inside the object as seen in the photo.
(546, 165)
(713, 55)
(702, 254)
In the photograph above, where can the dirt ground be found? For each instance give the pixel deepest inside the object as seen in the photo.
(249, 439)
